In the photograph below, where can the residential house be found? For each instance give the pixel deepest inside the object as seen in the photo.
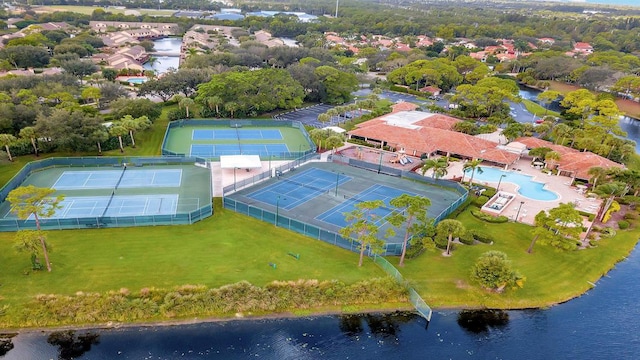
(166, 29)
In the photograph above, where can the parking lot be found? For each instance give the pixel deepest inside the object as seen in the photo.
(309, 116)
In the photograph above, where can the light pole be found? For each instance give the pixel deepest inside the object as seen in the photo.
(270, 164)
(380, 162)
(278, 209)
(519, 207)
(499, 181)
(337, 181)
(234, 179)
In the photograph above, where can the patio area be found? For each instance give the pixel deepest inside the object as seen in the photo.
(526, 208)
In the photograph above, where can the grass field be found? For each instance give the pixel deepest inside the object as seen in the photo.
(221, 250)
(551, 276)
(88, 10)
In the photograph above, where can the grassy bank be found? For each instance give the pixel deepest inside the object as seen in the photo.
(538, 110)
(223, 249)
(551, 276)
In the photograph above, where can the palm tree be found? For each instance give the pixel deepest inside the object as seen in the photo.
(324, 117)
(99, 136)
(132, 125)
(231, 107)
(332, 112)
(317, 135)
(451, 228)
(7, 140)
(186, 103)
(560, 131)
(596, 173)
(214, 102)
(118, 131)
(474, 165)
(552, 157)
(29, 132)
(439, 167)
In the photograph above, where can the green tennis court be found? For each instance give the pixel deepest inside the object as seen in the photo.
(119, 195)
(212, 138)
(314, 198)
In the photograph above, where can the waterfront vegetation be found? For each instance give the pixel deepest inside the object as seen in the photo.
(172, 272)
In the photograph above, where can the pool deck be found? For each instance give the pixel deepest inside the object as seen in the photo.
(530, 207)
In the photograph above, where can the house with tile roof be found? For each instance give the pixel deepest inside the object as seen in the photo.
(573, 163)
(421, 133)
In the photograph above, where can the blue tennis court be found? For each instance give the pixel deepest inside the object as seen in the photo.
(212, 150)
(121, 205)
(230, 134)
(106, 179)
(293, 191)
(336, 216)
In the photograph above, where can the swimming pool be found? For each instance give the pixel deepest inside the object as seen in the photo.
(526, 186)
(140, 80)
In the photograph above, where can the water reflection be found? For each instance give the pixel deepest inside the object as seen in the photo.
(480, 321)
(6, 344)
(72, 346)
(379, 325)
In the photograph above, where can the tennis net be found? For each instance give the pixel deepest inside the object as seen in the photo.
(320, 189)
(124, 168)
(238, 135)
(106, 208)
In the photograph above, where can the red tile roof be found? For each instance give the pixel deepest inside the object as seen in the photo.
(578, 164)
(403, 106)
(439, 121)
(571, 160)
(533, 143)
(426, 136)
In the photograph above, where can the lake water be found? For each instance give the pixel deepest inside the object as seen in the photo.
(164, 63)
(602, 324)
(629, 125)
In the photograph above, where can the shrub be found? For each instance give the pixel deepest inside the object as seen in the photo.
(468, 237)
(480, 201)
(608, 232)
(613, 208)
(483, 238)
(630, 216)
(489, 218)
(461, 208)
(399, 89)
(623, 224)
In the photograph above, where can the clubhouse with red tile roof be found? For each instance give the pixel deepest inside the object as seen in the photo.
(421, 133)
(573, 163)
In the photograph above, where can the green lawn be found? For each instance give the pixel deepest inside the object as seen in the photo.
(223, 249)
(551, 276)
(538, 110)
